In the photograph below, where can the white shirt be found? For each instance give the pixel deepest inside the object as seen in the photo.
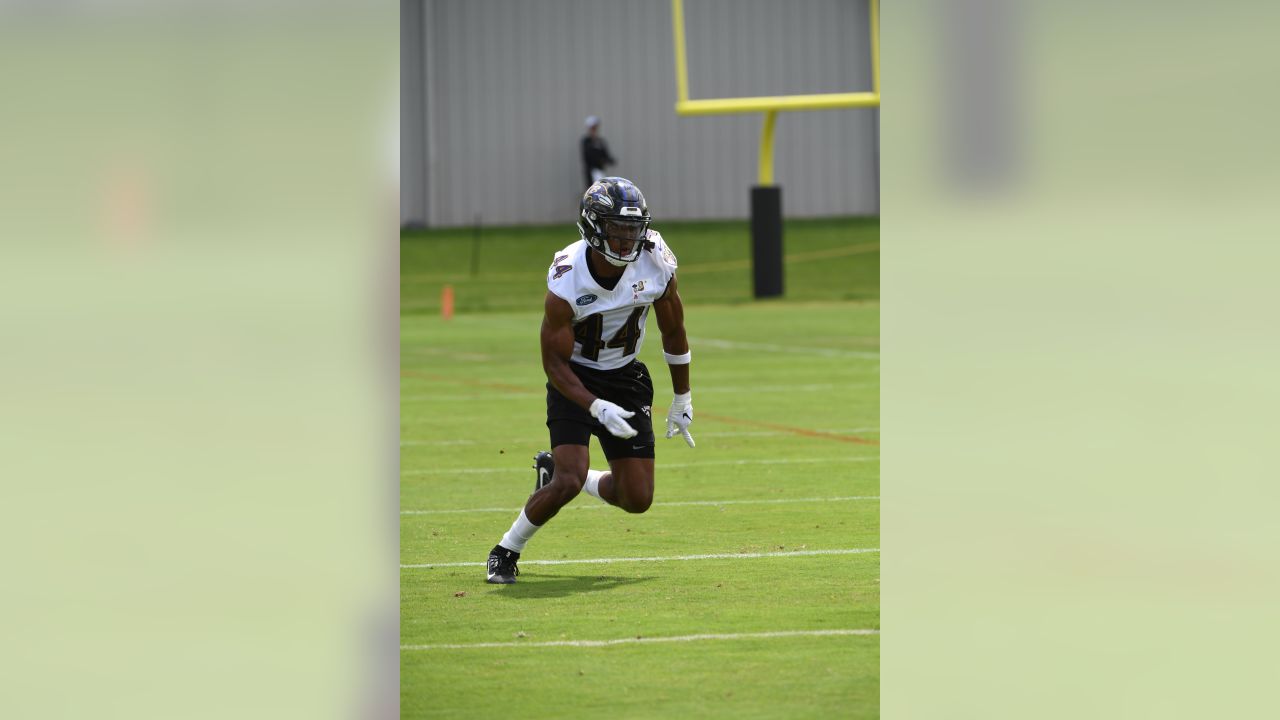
(608, 325)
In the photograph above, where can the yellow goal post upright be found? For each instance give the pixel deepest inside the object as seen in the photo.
(766, 197)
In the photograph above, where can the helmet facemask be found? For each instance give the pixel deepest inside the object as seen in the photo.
(628, 234)
(613, 209)
(599, 230)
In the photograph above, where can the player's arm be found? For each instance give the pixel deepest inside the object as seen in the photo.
(670, 312)
(557, 348)
(675, 346)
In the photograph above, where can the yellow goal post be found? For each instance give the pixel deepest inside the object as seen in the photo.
(770, 106)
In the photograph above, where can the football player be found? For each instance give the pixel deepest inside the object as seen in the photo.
(599, 292)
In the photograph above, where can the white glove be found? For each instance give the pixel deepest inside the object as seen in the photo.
(613, 418)
(679, 417)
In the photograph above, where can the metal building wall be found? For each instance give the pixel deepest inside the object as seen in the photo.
(413, 155)
(506, 85)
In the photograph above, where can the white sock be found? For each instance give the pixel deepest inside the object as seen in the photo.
(592, 485)
(519, 534)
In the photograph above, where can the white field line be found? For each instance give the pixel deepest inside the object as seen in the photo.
(725, 434)
(479, 395)
(812, 387)
(643, 640)
(774, 433)
(683, 503)
(606, 561)
(792, 349)
(702, 390)
(664, 466)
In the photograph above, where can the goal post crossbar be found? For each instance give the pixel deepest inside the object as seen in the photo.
(774, 104)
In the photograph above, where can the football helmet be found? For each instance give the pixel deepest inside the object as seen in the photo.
(614, 207)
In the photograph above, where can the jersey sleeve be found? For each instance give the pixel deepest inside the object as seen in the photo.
(666, 259)
(560, 274)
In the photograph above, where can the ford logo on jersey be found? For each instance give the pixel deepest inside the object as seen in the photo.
(586, 299)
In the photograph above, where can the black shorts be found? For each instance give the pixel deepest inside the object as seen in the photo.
(629, 386)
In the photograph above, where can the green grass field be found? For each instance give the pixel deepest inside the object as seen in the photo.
(827, 260)
(786, 399)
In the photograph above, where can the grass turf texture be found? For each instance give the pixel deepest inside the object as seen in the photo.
(787, 409)
(830, 259)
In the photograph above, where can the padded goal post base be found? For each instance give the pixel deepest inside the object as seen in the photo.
(766, 240)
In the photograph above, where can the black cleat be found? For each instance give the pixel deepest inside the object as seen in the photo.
(502, 565)
(546, 467)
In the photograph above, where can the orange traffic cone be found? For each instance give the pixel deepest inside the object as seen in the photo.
(446, 302)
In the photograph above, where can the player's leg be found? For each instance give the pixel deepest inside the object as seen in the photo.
(571, 462)
(628, 484)
(569, 437)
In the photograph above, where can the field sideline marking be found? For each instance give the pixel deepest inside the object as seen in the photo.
(475, 396)
(684, 503)
(730, 433)
(703, 390)
(781, 461)
(805, 432)
(605, 561)
(793, 349)
(641, 640)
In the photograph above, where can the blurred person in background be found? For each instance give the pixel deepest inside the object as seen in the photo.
(595, 153)
(599, 291)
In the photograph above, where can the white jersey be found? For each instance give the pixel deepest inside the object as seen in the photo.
(608, 325)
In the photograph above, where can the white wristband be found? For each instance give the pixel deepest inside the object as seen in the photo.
(678, 359)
